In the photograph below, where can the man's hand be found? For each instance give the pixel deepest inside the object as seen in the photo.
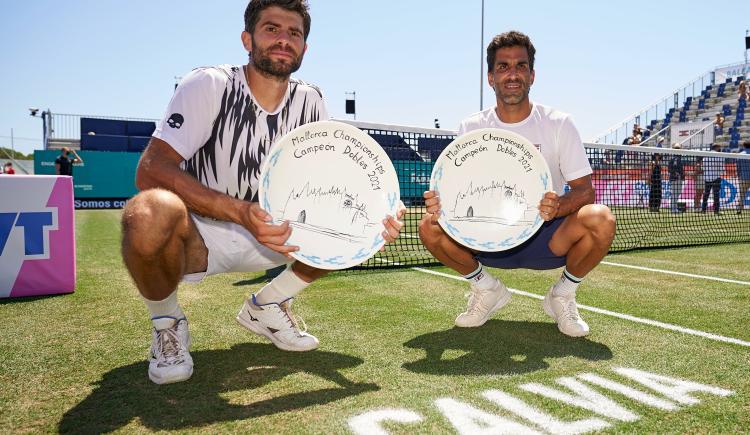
(432, 202)
(258, 222)
(393, 225)
(549, 206)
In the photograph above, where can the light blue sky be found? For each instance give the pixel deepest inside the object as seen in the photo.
(409, 61)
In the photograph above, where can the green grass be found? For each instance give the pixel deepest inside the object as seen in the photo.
(77, 363)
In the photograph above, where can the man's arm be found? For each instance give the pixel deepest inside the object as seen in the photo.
(160, 167)
(77, 158)
(57, 168)
(581, 193)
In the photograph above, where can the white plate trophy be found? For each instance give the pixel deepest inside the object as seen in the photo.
(335, 185)
(490, 182)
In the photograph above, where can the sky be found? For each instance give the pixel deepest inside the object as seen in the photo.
(408, 61)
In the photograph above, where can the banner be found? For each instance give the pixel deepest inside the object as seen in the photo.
(37, 242)
(413, 179)
(731, 71)
(103, 174)
(683, 130)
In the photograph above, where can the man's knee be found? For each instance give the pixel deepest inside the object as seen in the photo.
(151, 219)
(598, 220)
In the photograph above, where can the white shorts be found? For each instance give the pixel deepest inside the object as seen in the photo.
(231, 248)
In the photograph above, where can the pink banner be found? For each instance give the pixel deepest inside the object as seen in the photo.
(37, 241)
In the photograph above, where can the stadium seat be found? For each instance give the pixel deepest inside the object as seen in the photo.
(138, 143)
(141, 128)
(103, 126)
(104, 142)
(389, 140)
(432, 143)
(401, 153)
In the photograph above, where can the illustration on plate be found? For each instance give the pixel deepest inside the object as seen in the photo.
(331, 211)
(496, 202)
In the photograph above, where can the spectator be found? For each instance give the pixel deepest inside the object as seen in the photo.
(699, 181)
(719, 124)
(744, 92)
(712, 170)
(9, 169)
(637, 136)
(654, 192)
(743, 173)
(676, 177)
(660, 142)
(63, 164)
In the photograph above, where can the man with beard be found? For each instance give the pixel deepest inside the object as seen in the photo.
(576, 233)
(197, 213)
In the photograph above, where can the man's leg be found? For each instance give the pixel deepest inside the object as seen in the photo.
(160, 244)
(706, 192)
(488, 293)
(717, 193)
(744, 187)
(584, 238)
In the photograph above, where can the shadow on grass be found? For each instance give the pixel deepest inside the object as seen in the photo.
(257, 280)
(22, 299)
(499, 347)
(126, 393)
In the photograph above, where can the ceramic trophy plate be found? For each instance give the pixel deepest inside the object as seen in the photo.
(490, 182)
(335, 185)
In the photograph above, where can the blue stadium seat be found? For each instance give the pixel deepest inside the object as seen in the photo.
(103, 126)
(141, 128)
(137, 144)
(104, 142)
(401, 153)
(432, 143)
(389, 140)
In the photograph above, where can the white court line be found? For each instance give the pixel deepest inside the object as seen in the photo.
(670, 272)
(658, 324)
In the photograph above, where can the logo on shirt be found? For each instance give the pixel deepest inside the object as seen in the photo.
(175, 120)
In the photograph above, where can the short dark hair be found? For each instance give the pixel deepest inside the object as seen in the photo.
(510, 39)
(746, 144)
(255, 7)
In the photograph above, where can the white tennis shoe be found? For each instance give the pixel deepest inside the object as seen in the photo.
(277, 323)
(170, 359)
(482, 305)
(565, 312)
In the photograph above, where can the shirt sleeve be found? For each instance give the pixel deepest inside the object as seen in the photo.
(461, 128)
(574, 163)
(188, 120)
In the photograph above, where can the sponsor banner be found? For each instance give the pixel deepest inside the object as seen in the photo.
(99, 203)
(37, 242)
(731, 71)
(413, 178)
(634, 191)
(683, 130)
(103, 174)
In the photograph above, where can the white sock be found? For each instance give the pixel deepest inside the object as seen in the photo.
(167, 307)
(281, 288)
(567, 284)
(481, 279)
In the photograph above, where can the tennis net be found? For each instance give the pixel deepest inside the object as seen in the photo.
(652, 210)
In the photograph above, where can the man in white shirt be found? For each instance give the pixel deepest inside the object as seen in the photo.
(576, 234)
(198, 214)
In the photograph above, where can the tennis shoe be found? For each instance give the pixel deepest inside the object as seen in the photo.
(170, 359)
(277, 323)
(483, 304)
(565, 312)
